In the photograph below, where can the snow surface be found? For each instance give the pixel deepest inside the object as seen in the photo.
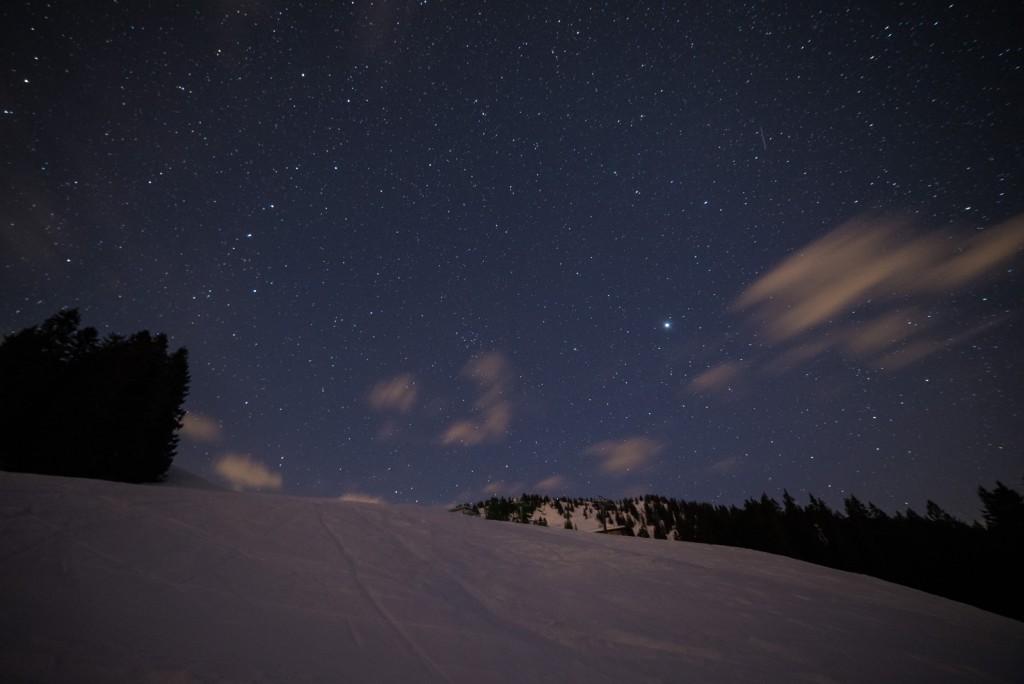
(105, 582)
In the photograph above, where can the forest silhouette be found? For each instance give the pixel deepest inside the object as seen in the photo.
(981, 564)
(76, 405)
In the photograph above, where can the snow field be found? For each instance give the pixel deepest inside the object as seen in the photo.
(106, 582)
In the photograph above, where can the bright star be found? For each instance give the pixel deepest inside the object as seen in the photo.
(667, 325)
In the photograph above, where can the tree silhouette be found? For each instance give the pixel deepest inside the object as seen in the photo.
(1003, 510)
(936, 552)
(72, 404)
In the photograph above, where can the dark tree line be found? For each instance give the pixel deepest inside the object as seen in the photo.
(74, 404)
(977, 564)
(982, 565)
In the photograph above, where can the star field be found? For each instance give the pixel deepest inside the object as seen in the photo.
(429, 251)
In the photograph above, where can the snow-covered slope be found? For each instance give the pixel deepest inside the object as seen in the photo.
(103, 582)
(178, 477)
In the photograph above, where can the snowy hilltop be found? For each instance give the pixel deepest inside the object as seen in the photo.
(108, 582)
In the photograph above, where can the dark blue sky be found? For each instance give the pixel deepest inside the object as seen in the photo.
(429, 251)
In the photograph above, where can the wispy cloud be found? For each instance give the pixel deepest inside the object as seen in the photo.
(397, 393)
(499, 487)
(620, 456)
(552, 484)
(716, 378)
(492, 412)
(243, 472)
(865, 262)
(726, 465)
(199, 428)
(355, 497)
(494, 488)
(873, 290)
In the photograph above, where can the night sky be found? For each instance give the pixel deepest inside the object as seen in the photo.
(432, 251)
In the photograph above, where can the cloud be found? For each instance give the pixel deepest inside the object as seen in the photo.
(726, 465)
(394, 394)
(199, 428)
(830, 275)
(498, 487)
(243, 472)
(551, 484)
(494, 488)
(795, 356)
(620, 456)
(488, 369)
(873, 290)
(716, 378)
(978, 256)
(887, 329)
(489, 426)
(864, 262)
(387, 430)
(355, 497)
(492, 413)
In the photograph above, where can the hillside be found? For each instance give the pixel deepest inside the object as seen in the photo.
(106, 582)
(980, 565)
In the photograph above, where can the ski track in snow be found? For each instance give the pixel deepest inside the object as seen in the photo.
(428, 663)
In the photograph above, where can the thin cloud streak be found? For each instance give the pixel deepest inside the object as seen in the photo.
(872, 291)
(618, 457)
(395, 394)
(243, 472)
(551, 484)
(716, 378)
(862, 263)
(355, 497)
(492, 411)
(199, 428)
